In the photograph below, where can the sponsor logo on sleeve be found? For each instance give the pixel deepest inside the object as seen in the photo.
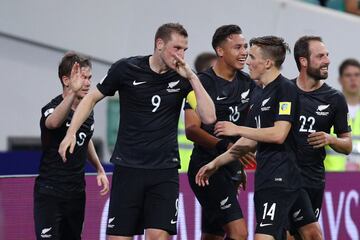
(48, 112)
(284, 108)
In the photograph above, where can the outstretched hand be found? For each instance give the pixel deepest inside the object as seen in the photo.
(76, 82)
(203, 175)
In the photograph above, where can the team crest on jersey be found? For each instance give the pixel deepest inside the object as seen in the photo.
(171, 86)
(264, 102)
(284, 108)
(244, 96)
(321, 110)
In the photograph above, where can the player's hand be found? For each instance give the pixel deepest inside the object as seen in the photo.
(244, 154)
(319, 139)
(223, 128)
(76, 82)
(182, 68)
(103, 181)
(248, 159)
(68, 142)
(203, 175)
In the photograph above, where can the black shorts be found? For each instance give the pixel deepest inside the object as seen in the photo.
(141, 199)
(272, 207)
(57, 218)
(218, 201)
(306, 208)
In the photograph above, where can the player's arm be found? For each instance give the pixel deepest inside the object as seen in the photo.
(243, 147)
(342, 143)
(276, 134)
(82, 112)
(195, 133)
(205, 106)
(60, 113)
(101, 177)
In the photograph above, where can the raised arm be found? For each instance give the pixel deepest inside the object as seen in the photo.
(101, 177)
(81, 114)
(60, 113)
(205, 106)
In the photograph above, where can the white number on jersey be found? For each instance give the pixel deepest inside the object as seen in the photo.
(304, 120)
(234, 115)
(81, 140)
(258, 122)
(155, 100)
(271, 212)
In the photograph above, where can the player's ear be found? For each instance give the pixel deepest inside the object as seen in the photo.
(159, 43)
(303, 62)
(269, 63)
(65, 80)
(219, 51)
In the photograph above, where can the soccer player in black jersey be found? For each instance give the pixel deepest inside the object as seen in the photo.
(320, 108)
(271, 119)
(230, 89)
(59, 192)
(145, 185)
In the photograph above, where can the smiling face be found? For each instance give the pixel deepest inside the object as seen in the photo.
(234, 51)
(318, 62)
(176, 45)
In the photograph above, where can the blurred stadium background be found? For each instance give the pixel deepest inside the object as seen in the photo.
(35, 34)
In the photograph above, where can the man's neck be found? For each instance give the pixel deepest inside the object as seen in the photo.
(269, 77)
(352, 99)
(307, 83)
(224, 71)
(157, 65)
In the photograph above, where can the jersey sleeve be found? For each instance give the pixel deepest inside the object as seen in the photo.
(112, 81)
(191, 98)
(286, 105)
(47, 110)
(187, 106)
(341, 124)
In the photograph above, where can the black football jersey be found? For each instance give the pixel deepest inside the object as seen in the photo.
(319, 110)
(150, 105)
(55, 176)
(231, 99)
(276, 163)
